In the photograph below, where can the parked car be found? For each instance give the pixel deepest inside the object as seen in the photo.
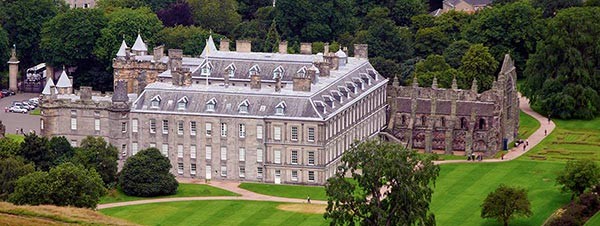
(35, 101)
(18, 109)
(28, 106)
(6, 92)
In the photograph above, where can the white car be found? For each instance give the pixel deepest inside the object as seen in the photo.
(18, 109)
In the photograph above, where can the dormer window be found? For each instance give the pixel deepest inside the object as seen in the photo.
(206, 68)
(230, 70)
(243, 107)
(278, 72)
(302, 72)
(182, 103)
(254, 70)
(211, 104)
(280, 108)
(155, 102)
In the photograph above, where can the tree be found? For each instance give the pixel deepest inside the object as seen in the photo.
(10, 170)
(479, 64)
(551, 7)
(422, 21)
(67, 38)
(190, 39)
(95, 153)
(561, 77)
(506, 202)
(387, 68)
(592, 3)
(403, 10)
(455, 52)
(4, 48)
(9, 147)
(452, 23)
(430, 41)
(578, 176)
(272, 40)
(219, 16)
(35, 149)
(247, 8)
(60, 150)
(434, 66)
(390, 186)
(126, 24)
(23, 21)
(147, 174)
(111, 5)
(178, 13)
(66, 185)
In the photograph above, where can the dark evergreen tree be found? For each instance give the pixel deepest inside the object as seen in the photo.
(147, 174)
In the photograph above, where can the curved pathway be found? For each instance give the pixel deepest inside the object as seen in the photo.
(246, 195)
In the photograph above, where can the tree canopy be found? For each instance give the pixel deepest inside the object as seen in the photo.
(578, 176)
(506, 202)
(95, 153)
(479, 64)
(190, 39)
(389, 186)
(219, 16)
(11, 169)
(147, 174)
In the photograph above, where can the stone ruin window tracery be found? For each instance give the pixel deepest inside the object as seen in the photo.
(463, 123)
(482, 125)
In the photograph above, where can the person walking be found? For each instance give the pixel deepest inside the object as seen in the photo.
(308, 199)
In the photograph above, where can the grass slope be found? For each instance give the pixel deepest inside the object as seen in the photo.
(213, 213)
(573, 139)
(288, 191)
(52, 215)
(594, 221)
(15, 137)
(184, 190)
(527, 125)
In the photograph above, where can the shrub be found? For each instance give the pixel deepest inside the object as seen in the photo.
(147, 174)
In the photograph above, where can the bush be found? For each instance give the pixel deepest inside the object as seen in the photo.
(147, 174)
(10, 170)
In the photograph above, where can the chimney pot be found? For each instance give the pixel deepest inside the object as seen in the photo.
(306, 48)
(255, 81)
(158, 52)
(243, 46)
(283, 47)
(224, 45)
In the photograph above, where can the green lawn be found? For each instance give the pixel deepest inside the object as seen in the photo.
(15, 137)
(288, 191)
(573, 139)
(36, 111)
(213, 213)
(594, 221)
(184, 190)
(527, 125)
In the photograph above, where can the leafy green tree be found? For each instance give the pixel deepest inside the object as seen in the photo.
(506, 202)
(390, 186)
(95, 153)
(9, 147)
(578, 176)
(455, 52)
(478, 63)
(562, 77)
(452, 23)
(272, 40)
(23, 21)
(511, 28)
(247, 8)
(126, 23)
(422, 21)
(551, 7)
(111, 5)
(66, 185)
(190, 39)
(4, 48)
(387, 68)
(404, 10)
(434, 66)
(592, 3)
(67, 38)
(61, 150)
(35, 149)
(147, 174)
(430, 41)
(178, 13)
(219, 16)
(407, 70)
(11, 169)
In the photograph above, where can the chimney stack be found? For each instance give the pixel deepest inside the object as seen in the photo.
(85, 93)
(302, 82)
(323, 67)
(361, 51)
(158, 52)
(283, 47)
(175, 59)
(306, 48)
(278, 84)
(243, 46)
(255, 80)
(326, 49)
(224, 45)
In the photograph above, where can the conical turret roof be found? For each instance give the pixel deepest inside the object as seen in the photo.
(139, 44)
(64, 81)
(122, 50)
(47, 88)
(209, 47)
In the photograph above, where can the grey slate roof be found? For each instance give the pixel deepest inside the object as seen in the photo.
(471, 2)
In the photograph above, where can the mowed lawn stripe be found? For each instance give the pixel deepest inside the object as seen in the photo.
(264, 212)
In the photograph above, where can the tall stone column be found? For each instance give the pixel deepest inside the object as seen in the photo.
(13, 70)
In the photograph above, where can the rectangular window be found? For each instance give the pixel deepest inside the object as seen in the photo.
(193, 151)
(294, 157)
(165, 149)
(152, 125)
(208, 129)
(259, 172)
(193, 128)
(311, 158)
(208, 152)
(242, 130)
(242, 171)
(153, 145)
(124, 149)
(259, 155)
(73, 123)
(294, 175)
(277, 154)
(180, 127)
(311, 134)
(180, 168)
(74, 112)
(223, 153)
(224, 171)
(242, 154)
(134, 126)
(294, 133)
(96, 114)
(97, 124)
(165, 129)
(123, 127)
(74, 143)
(134, 148)
(223, 129)
(277, 133)
(311, 176)
(180, 151)
(193, 169)
(259, 132)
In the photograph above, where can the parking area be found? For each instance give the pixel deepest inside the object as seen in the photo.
(18, 121)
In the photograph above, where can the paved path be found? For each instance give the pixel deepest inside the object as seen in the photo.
(514, 153)
(546, 127)
(14, 121)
